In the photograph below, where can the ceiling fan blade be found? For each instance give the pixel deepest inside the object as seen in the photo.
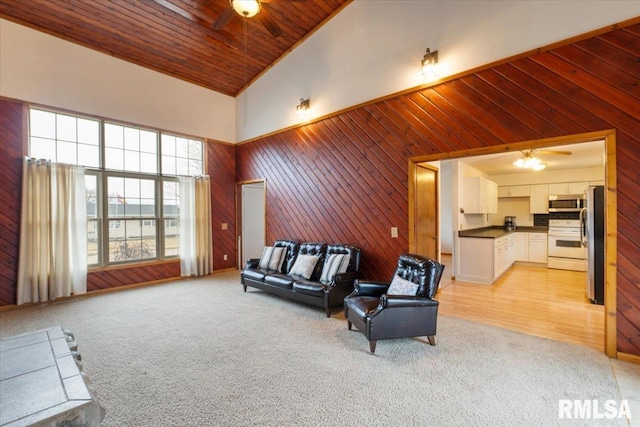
(269, 23)
(223, 19)
(560, 152)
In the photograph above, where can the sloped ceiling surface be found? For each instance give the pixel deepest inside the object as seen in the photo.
(177, 37)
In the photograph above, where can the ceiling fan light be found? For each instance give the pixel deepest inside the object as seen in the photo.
(246, 8)
(539, 166)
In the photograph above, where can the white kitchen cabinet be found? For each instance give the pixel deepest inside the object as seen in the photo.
(538, 247)
(539, 199)
(513, 191)
(568, 187)
(480, 195)
(592, 183)
(483, 260)
(521, 242)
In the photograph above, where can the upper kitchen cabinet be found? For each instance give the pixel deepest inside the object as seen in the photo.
(480, 196)
(513, 191)
(568, 187)
(539, 199)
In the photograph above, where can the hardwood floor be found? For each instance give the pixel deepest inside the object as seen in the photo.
(529, 299)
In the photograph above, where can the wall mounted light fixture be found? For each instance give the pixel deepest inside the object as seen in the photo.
(303, 108)
(430, 65)
(246, 8)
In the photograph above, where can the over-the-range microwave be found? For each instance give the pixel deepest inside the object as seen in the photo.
(566, 203)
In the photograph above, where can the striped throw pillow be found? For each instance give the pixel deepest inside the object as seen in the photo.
(272, 258)
(336, 263)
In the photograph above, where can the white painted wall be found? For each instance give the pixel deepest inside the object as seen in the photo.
(374, 48)
(39, 68)
(369, 50)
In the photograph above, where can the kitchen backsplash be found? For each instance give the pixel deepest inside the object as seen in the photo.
(540, 220)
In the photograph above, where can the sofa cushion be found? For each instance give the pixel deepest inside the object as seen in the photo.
(255, 273)
(335, 263)
(304, 265)
(292, 248)
(362, 306)
(400, 286)
(272, 258)
(309, 287)
(279, 279)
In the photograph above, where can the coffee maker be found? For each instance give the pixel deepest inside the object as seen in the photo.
(509, 223)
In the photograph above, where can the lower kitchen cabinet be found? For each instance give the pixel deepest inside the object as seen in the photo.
(538, 247)
(483, 260)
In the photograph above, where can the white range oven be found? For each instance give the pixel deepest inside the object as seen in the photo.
(565, 248)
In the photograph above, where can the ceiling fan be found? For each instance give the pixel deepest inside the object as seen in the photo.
(249, 9)
(529, 161)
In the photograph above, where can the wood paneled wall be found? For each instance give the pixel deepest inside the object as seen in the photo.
(221, 168)
(344, 178)
(11, 128)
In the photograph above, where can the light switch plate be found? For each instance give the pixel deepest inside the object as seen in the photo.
(394, 232)
(224, 226)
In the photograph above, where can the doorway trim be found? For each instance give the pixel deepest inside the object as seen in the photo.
(239, 185)
(611, 210)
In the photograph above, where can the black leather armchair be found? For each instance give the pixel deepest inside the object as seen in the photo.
(380, 316)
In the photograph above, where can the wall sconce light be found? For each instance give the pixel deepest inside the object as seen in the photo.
(303, 108)
(430, 65)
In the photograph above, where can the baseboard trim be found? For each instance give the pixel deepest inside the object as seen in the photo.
(626, 357)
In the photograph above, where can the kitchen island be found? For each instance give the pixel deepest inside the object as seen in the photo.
(487, 253)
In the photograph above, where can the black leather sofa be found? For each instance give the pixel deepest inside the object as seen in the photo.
(312, 291)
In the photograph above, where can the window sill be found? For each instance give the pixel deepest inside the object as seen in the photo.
(132, 265)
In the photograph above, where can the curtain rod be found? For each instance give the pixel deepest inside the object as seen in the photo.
(38, 161)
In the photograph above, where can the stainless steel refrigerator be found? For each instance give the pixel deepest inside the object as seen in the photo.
(593, 238)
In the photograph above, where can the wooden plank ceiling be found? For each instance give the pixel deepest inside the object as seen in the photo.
(176, 37)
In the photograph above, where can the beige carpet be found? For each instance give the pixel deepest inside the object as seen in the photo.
(203, 353)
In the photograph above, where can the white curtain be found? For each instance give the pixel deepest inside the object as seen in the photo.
(53, 232)
(196, 241)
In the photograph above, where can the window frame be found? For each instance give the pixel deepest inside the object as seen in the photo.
(102, 174)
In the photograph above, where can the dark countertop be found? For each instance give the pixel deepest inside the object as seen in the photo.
(496, 231)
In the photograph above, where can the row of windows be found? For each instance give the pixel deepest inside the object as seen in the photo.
(131, 178)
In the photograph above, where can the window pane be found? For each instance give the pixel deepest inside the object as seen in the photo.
(132, 139)
(43, 148)
(115, 199)
(132, 242)
(66, 152)
(171, 238)
(183, 166)
(168, 165)
(132, 188)
(90, 183)
(171, 199)
(89, 155)
(168, 145)
(131, 160)
(42, 124)
(148, 163)
(113, 136)
(88, 131)
(114, 159)
(195, 167)
(148, 141)
(66, 128)
(93, 241)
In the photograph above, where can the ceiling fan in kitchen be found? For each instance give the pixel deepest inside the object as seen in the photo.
(529, 161)
(249, 9)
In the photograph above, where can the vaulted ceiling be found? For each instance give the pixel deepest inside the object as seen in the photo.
(178, 37)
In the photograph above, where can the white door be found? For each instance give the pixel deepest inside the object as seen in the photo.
(253, 222)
